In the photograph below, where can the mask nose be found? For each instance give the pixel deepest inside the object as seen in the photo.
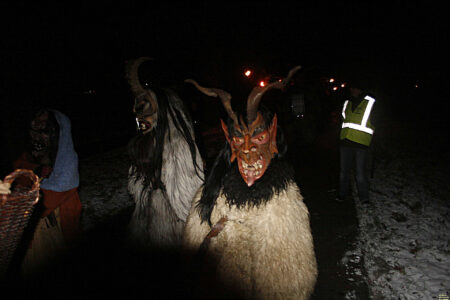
(246, 144)
(248, 147)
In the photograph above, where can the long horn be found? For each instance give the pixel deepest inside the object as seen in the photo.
(131, 73)
(256, 94)
(225, 97)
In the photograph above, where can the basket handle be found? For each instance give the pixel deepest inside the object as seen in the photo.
(27, 173)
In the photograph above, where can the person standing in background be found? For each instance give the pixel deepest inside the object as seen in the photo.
(355, 139)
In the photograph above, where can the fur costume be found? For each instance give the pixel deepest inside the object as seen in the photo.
(166, 167)
(264, 248)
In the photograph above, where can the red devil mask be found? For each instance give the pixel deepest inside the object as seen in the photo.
(254, 145)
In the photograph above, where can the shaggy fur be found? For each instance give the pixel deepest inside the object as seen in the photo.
(265, 250)
(165, 173)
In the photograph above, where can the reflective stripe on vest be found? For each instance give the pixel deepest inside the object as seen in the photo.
(363, 126)
(344, 108)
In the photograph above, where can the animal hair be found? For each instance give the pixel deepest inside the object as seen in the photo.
(145, 150)
(165, 173)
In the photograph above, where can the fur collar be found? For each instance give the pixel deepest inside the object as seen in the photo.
(277, 177)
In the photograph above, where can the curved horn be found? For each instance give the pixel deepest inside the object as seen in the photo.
(225, 97)
(256, 94)
(131, 73)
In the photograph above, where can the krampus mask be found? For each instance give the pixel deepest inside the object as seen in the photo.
(44, 133)
(252, 142)
(145, 105)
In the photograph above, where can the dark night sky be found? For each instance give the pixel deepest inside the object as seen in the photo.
(78, 45)
(53, 52)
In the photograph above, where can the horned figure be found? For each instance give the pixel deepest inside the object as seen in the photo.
(249, 217)
(166, 167)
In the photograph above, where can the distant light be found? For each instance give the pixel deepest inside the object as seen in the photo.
(416, 86)
(335, 88)
(262, 83)
(331, 79)
(343, 85)
(248, 73)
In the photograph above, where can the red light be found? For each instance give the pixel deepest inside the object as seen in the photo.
(262, 83)
(335, 88)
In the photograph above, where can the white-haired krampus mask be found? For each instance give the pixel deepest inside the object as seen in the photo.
(253, 143)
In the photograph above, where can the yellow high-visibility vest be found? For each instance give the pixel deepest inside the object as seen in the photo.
(356, 126)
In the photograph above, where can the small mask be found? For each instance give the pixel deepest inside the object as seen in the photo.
(42, 131)
(146, 114)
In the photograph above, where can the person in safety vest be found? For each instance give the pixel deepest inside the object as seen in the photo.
(355, 138)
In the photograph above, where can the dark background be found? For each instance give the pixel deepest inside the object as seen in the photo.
(71, 57)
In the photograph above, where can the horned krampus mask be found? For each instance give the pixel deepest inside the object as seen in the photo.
(253, 143)
(145, 105)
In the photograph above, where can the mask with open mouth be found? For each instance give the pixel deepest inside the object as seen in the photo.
(145, 106)
(43, 134)
(254, 147)
(145, 110)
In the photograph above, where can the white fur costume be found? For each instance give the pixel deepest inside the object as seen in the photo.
(266, 252)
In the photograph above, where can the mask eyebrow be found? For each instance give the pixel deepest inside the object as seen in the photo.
(259, 130)
(238, 134)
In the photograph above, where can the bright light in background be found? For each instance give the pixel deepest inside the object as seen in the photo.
(262, 83)
(331, 79)
(343, 85)
(335, 88)
(248, 73)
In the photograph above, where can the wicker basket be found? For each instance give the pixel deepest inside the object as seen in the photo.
(15, 211)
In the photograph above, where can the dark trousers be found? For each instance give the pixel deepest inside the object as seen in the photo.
(357, 157)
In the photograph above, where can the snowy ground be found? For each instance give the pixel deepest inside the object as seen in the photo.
(404, 231)
(403, 238)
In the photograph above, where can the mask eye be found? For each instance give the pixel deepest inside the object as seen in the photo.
(260, 138)
(238, 140)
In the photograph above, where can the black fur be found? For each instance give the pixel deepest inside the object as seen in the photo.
(225, 175)
(275, 179)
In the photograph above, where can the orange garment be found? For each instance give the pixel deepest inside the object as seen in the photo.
(69, 209)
